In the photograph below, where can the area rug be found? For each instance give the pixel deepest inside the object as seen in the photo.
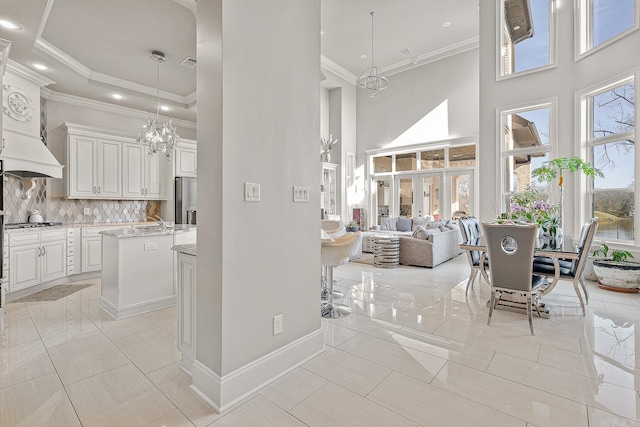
(365, 259)
(54, 293)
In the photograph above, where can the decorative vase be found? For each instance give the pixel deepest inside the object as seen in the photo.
(325, 156)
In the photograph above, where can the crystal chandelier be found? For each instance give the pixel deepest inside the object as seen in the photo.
(159, 135)
(372, 80)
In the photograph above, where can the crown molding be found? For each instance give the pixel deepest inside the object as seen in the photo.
(45, 48)
(27, 74)
(5, 47)
(436, 55)
(105, 106)
(338, 70)
(189, 4)
(135, 87)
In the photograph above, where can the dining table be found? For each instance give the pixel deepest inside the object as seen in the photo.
(559, 248)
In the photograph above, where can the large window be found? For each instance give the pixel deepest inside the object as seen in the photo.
(434, 179)
(610, 118)
(526, 144)
(527, 33)
(601, 22)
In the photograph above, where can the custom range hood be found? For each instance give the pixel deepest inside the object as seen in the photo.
(23, 153)
(27, 157)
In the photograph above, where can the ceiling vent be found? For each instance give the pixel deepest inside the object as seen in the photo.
(405, 52)
(189, 62)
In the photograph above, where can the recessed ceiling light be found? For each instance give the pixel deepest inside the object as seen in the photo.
(517, 27)
(39, 66)
(446, 24)
(165, 108)
(363, 56)
(9, 25)
(116, 96)
(321, 33)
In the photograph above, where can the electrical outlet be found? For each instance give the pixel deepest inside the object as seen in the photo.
(277, 324)
(87, 211)
(136, 211)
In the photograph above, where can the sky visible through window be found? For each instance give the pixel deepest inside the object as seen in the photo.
(534, 51)
(610, 18)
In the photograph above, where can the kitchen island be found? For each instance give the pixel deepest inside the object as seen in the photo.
(186, 288)
(138, 268)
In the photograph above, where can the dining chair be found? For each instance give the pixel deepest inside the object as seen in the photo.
(571, 270)
(470, 229)
(510, 247)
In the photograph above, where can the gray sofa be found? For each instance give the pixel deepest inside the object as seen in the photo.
(427, 250)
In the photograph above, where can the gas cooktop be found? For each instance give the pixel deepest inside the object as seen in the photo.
(30, 225)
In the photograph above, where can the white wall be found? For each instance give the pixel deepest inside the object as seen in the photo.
(562, 82)
(257, 260)
(443, 94)
(324, 114)
(61, 112)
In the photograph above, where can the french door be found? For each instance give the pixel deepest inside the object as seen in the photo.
(439, 195)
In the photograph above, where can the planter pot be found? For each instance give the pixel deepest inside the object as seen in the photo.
(617, 276)
(352, 229)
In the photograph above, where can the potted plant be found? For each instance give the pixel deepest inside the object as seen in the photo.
(556, 167)
(614, 272)
(353, 226)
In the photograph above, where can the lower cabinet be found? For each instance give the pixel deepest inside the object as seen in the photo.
(36, 257)
(91, 254)
(186, 293)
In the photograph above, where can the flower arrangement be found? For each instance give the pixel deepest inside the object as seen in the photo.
(353, 225)
(525, 206)
(326, 145)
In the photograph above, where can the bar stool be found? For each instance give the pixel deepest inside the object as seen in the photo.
(334, 254)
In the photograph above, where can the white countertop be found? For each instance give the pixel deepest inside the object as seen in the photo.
(147, 230)
(189, 249)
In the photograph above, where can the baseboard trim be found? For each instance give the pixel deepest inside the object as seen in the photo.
(221, 393)
(134, 309)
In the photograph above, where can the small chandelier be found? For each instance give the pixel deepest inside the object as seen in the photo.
(372, 80)
(159, 135)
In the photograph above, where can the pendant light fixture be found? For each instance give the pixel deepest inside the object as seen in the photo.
(158, 134)
(372, 80)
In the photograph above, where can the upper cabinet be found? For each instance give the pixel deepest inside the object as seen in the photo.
(94, 168)
(106, 164)
(186, 158)
(142, 173)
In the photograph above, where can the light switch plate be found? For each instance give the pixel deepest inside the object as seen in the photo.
(300, 194)
(251, 192)
(87, 211)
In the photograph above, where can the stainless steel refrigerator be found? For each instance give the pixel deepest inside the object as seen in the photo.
(186, 200)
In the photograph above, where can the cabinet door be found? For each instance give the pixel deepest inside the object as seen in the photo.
(186, 162)
(154, 188)
(109, 168)
(53, 260)
(133, 170)
(186, 304)
(91, 254)
(24, 267)
(82, 173)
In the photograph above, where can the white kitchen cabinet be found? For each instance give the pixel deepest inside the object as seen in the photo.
(94, 168)
(186, 158)
(92, 247)
(142, 173)
(36, 257)
(186, 293)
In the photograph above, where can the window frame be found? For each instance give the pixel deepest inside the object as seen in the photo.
(553, 32)
(586, 141)
(501, 114)
(583, 29)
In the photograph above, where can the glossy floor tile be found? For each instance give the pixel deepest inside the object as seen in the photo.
(416, 352)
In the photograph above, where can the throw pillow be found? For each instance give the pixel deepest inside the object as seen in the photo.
(403, 224)
(420, 220)
(430, 232)
(388, 224)
(425, 233)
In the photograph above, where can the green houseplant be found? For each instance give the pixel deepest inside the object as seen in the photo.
(613, 270)
(557, 167)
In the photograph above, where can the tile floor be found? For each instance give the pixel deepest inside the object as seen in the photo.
(415, 352)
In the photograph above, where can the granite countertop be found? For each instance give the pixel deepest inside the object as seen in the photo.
(147, 230)
(189, 249)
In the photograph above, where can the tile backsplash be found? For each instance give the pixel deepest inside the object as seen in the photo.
(16, 209)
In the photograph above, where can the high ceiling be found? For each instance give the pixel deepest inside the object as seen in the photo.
(96, 48)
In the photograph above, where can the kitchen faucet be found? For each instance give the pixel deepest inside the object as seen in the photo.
(161, 223)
